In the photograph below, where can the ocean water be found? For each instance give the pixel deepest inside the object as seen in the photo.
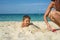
(19, 17)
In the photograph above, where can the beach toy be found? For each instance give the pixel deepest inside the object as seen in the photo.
(55, 30)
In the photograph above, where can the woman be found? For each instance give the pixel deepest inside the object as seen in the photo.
(54, 14)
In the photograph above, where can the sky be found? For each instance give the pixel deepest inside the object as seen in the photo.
(23, 6)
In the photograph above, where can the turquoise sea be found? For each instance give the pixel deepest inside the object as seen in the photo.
(19, 17)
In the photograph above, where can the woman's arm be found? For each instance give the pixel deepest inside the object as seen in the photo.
(47, 13)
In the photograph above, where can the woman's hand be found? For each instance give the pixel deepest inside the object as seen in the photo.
(49, 27)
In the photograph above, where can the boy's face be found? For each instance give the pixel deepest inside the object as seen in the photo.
(26, 21)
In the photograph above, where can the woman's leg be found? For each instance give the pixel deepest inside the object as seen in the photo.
(57, 18)
(54, 17)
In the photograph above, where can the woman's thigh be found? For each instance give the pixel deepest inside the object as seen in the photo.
(55, 17)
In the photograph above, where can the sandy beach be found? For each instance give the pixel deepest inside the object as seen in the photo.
(11, 30)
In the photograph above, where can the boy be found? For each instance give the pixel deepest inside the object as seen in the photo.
(26, 23)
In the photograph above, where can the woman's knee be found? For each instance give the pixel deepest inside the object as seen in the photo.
(51, 16)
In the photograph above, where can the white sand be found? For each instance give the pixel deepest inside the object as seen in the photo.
(12, 31)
